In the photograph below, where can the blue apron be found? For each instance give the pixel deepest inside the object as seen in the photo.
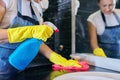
(110, 39)
(7, 49)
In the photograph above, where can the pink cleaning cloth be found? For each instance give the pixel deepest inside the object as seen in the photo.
(84, 64)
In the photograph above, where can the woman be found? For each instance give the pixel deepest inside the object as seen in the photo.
(21, 14)
(104, 29)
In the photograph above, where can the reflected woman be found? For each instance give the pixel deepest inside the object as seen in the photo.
(104, 29)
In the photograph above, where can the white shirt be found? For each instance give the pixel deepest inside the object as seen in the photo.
(11, 12)
(97, 21)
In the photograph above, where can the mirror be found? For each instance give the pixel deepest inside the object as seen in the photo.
(80, 37)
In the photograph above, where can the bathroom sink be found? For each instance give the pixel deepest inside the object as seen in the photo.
(89, 76)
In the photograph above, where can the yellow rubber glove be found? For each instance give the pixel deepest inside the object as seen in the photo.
(58, 59)
(99, 52)
(19, 34)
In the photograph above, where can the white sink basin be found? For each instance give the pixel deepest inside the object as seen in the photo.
(89, 76)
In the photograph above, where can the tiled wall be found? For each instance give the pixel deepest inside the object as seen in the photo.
(59, 13)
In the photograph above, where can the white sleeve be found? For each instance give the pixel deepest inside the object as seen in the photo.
(91, 19)
(97, 21)
(8, 3)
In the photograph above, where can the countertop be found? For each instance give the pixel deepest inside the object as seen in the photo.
(46, 73)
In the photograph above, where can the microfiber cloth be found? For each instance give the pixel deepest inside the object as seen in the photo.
(84, 64)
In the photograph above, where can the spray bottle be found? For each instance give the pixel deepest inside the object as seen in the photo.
(27, 51)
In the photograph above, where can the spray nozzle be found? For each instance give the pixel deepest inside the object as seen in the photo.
(52, 25)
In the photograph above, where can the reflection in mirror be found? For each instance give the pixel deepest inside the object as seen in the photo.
(87, 7)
